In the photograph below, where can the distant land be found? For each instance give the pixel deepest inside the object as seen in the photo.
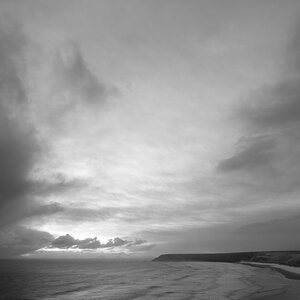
(290, 258)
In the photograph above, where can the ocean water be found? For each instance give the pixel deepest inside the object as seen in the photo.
(91, 279)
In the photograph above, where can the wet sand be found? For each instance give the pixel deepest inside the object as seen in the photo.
(292, 292)
(217, 281)
(290, 280)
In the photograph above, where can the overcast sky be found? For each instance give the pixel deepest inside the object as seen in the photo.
(135, 128)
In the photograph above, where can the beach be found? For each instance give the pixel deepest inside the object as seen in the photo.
(291, 292)
(92, 279)
(290, 280)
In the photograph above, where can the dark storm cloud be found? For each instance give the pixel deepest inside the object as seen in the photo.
(67, 242)
(254, 152)
(272, 112)
(17, 149)
(20, 149)
(19, 240)
(270, 163)
(25, 209)
(75, 75)
(275, 106)
(18, 144)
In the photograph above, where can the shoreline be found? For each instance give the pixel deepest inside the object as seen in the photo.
(291, 277)
(292, 273)
(286, 267)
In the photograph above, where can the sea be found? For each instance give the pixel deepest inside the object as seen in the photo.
(116, 280)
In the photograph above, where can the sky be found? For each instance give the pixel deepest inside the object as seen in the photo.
(134, 128)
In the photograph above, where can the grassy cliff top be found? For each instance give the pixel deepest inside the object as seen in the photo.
(291, 258)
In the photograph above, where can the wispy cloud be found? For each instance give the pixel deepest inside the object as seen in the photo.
(75, 76)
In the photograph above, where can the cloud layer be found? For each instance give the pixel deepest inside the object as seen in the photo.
(19, 146)
(74, 75)
(21, 240)
(117, 123)
(269, 150)
(67, 242)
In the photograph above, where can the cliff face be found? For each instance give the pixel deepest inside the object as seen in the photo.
(291, 258)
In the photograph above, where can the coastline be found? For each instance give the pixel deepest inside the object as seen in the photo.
(290, 277)
(278, 281)
(289, 272)
(291, 292)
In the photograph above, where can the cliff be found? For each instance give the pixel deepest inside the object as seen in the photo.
(291, 258)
